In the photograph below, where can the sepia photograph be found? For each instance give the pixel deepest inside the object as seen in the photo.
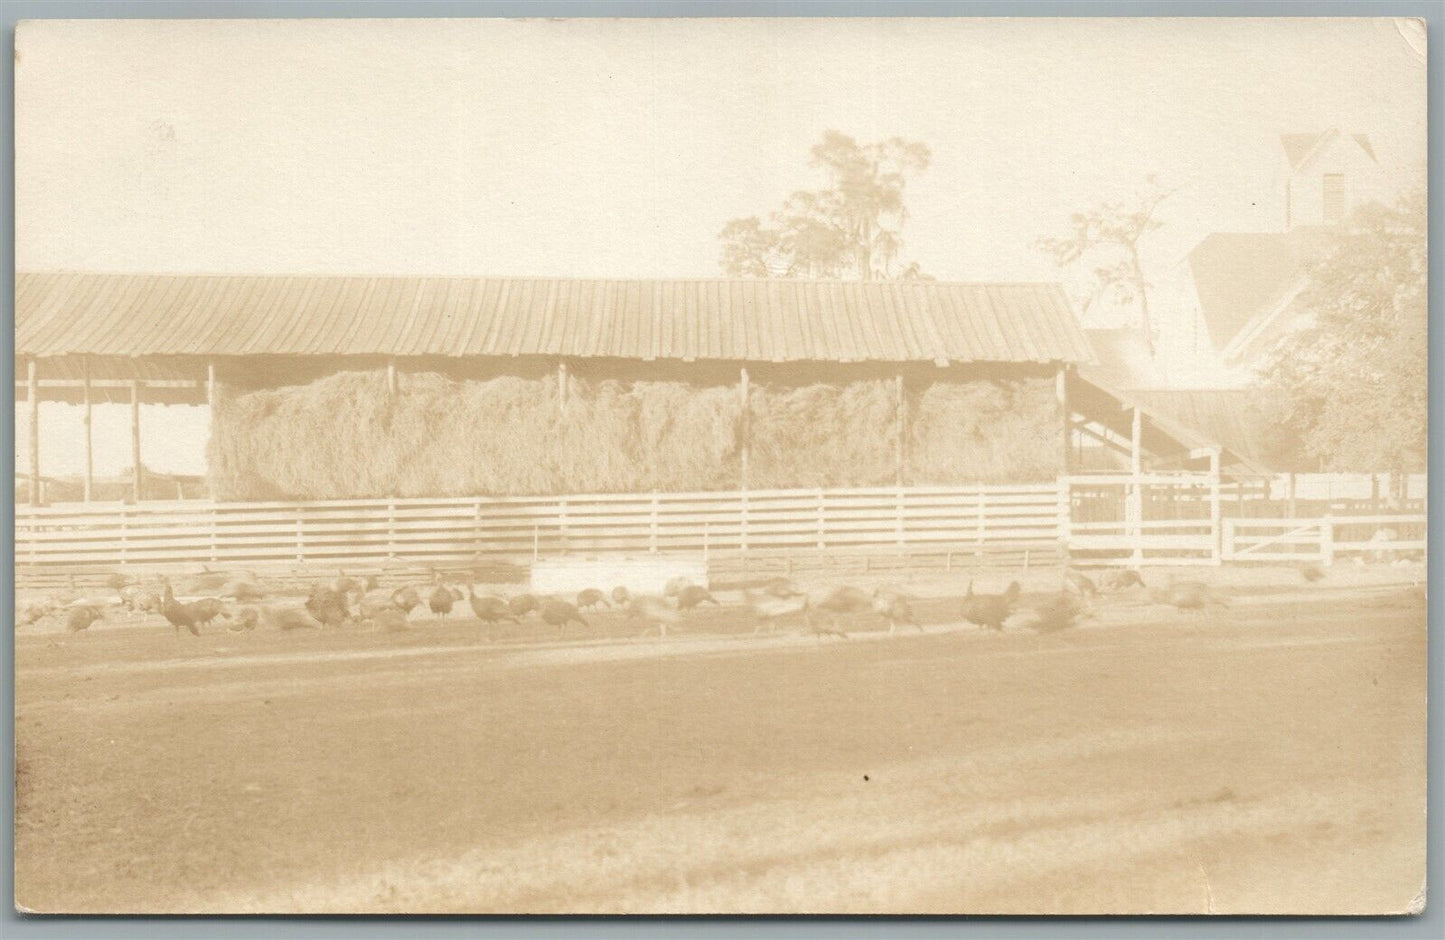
(905, 466)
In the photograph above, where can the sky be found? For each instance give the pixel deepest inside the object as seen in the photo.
(619, 148)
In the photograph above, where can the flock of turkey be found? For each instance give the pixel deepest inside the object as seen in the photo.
(241, 602)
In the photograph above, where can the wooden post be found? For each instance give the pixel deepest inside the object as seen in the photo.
(211, 387)
(745, 430)
(32, 389)
(89, 483)
(900, 430)
(1136, 491)
(562, 386)
(1293, 506)
(1061, 392)
(1215, 509)
(137, 477)
(391, 377)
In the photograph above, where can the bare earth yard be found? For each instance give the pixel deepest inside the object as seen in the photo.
(1267, 757)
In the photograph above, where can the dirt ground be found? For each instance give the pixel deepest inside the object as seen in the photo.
(1265, 757)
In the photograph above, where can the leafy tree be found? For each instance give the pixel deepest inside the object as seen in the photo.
(1353, 380)
(1107, 237)
(851, 228)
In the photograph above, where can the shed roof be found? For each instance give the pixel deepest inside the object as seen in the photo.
(1298, 148)
(59, 314)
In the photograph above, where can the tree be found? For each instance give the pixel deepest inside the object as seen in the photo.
(1354, 380)
(1107, 236)
(851, 228)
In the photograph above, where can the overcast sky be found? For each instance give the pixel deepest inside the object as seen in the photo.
(619, 148)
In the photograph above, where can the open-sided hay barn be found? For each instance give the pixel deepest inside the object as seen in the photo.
(340, 387)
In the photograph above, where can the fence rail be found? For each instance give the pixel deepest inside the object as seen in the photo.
(460, 530)
(1154, 518)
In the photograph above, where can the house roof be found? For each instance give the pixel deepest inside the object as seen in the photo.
(1300, 148)
(122, 315)
(1239, 275)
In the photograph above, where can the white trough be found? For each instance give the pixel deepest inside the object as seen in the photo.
(640, 574)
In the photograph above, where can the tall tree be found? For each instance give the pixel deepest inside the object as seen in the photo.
(1107, 237)
(1354, 380)
(853, 227)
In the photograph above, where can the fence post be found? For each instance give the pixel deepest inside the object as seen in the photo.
(536, 542)
(978, 517)
(562, 525)
(822, 536)
(1065, 509)
(477, 531)
(215, 539)
(124, 529)
(898, 518)
(743, 528)
(1327, 540)
(300, 538)
(1226, 539)
(390, 530)
(706, 541)
(1216, 509)
(652, 529)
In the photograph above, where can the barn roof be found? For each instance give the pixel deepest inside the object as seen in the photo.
(1124, 359)
(1234, 418)
(59, 314)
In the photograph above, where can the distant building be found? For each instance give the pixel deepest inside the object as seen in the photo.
(1231, 295)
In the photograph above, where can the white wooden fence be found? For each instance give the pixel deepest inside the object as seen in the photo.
(439, 531)
(1104, 519)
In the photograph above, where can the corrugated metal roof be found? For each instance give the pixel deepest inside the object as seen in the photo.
(60, 314)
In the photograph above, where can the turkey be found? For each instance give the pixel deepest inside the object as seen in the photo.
(441, 600)
(621, 596)
(653, 612)
(1189, 595)
(990, 610)
(591, 599)
(406, 599)
(489, 610)
(287, 618)
(1121, 580)
(80, 618)
(560, 613)
(522, 605)
(328, 606)
(840, 602)
(244, 619)
(205, 610)
(178, 614)
(893, 606)
(781, 587)
(1053, 615)
(770, 609)
(1311, 573)
(692, 595)
(390, 619)
(675, 585)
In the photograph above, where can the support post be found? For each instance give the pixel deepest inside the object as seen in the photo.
(211, 387)
(562, 386)
(137, 476)
(1061, 392)
(391, 377)
(32, 389)
(89, 482)
(745, 430)
(1136, 490)
(901, 428)
(1215, 510)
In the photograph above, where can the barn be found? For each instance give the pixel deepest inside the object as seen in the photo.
(442, 418)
